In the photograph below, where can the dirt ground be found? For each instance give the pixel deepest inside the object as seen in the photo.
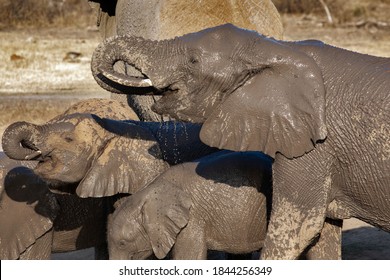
(45, 71)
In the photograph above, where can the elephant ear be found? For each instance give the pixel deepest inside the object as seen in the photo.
(165, 212)
(279, 109)
(27, 212)
(125, 165)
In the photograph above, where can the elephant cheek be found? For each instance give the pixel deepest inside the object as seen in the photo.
(162, 107)
(178, 109)
(60, 170)
(45, 169)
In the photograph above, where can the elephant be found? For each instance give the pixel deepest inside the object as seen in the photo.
(102, 156)
(35, 222)
(320, 111)
(27, 222)
(82, 158)
(215, 203)
(165, 19)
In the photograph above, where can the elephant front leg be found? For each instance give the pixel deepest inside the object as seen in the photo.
(190, 244)
(328, 245)
(301, 188)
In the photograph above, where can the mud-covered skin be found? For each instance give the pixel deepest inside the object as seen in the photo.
(322, 112)
(36, 222)
(165, 19)
(104, 156)
(215, 203)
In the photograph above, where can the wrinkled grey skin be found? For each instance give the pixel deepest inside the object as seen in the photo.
(163, 19)
(34, 222)
(75, 154)
(48, 222)
(322, 112)
(104, 156)
(215, 203)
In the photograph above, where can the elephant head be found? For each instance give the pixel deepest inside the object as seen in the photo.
(148, 222)
(27, 212)
(205, 76)
(105, 156)
(166, 19)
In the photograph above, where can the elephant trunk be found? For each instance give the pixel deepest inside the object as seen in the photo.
(18, 141)
(131, 50)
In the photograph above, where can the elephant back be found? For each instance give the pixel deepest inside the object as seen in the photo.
(180, 17)
(103, 108)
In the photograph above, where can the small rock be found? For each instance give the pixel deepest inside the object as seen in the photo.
(72, 57)
(16, 57)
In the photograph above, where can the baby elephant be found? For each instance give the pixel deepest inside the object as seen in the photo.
(217, 203)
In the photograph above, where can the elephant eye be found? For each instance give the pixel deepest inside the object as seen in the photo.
(68, 139)
(193, 60)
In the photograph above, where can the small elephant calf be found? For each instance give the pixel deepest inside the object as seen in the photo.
(216, 203)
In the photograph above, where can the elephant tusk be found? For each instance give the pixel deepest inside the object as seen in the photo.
(124, 79)
(147, 82)
(33, 155)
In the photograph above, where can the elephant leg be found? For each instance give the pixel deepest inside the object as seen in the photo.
(190, 244)
(41, 249)
(301, 187)
(328, 245)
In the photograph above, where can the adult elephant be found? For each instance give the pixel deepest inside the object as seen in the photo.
(320, 111)
(165, 19)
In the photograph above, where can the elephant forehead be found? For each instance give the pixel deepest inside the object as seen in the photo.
(88, 130)
(221, 35)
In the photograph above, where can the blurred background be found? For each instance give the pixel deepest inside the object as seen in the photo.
(77, 13)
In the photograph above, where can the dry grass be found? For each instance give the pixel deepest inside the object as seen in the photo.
(47, 62)
(342, 11)
(44, 13)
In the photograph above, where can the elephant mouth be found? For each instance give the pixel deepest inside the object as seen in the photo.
(35, 151)
(46, 164)
(141, 81)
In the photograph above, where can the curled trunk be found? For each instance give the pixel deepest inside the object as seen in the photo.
(131, 50)
(18, 141)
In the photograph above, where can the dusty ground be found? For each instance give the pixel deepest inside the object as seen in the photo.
(45, 71)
